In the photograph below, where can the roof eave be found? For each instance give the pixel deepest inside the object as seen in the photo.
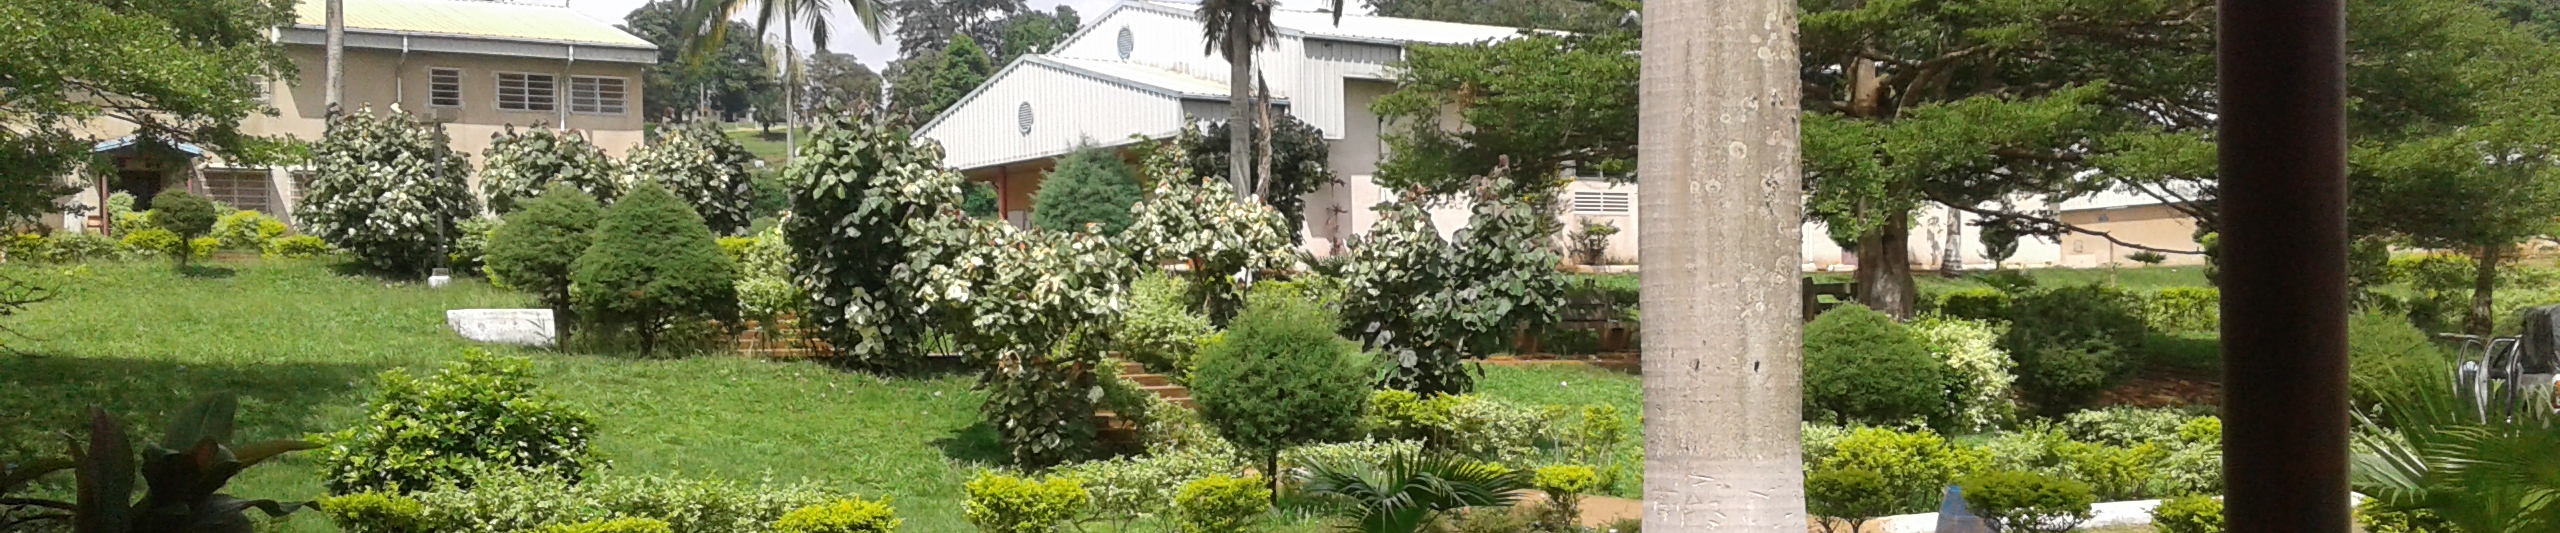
(652, 49)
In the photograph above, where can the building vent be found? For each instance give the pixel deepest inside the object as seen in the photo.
(1128, 43)
(1023, 114)
(1602, 203)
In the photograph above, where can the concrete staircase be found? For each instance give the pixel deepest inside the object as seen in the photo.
(1118, 430)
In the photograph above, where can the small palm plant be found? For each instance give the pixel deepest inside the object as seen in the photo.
(2429, 447)
(1410, 489)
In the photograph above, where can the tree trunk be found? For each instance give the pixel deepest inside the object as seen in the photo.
(1262, 142)
(790, 91)
(1951, 260)
(1239, 105)
(2483, 287)
(1884, 269)
(1722, 215)
(336, 44)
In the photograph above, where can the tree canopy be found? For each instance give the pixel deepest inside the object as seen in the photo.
(1579, 16)
(921, 86)
(831, 80)
(1540, 100)
(1091, 186)
(178, 71)
(729, 81)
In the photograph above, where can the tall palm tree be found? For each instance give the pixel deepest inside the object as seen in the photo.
(1234, 29)
(709, 21)
(1722, 220)
(1410, 489)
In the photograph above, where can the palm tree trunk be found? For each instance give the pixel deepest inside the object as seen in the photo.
(1721, 242)
(1262, 142)
(1239, 105)
(336, 44)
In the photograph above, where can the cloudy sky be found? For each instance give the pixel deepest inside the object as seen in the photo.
(849, 38)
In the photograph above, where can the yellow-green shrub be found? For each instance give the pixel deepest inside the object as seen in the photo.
(154, 241)
(1565, 485)
(2188, 514)
(247, 230)
(1001, 503)
(841, 516)
(1851, 495)
(2022, 502)
(1978, 303)
(2183, 309)
(617, 525)
(375, 512)
(1915, 464)
(1221, 504)
(298, 247)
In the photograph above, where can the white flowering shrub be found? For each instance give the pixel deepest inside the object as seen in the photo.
(390, 191)
(765, 289)
(1205, 225)
(865, 225)
(521, 164)
(1982, 381)
(705, 168)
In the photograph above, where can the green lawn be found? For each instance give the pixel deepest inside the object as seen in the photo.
(300, 346)
(771, 151)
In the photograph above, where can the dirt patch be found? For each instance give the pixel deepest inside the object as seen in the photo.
(2166, 388)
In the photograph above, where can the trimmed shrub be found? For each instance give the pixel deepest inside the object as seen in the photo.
(185, 213)
(1281, 379)
(1160, 331)
(483, 410)
(533, 251)
(471, 252)
(1915, 465)
(516, 501)
(1001, 503)
(2384, 352)
(2183, 309)
(389, 191)
(375, 512)
(2070, 343)
(519, 165)
(841, 516)
(1221, 504)
(1468, 425)
(1130, 487)
(865, 200)
(1977, 303)
(653, 265)
(616, 525)
(1860, 366)
(2028, 502)
(1354, 452)
(2378, 515)
(703, 167)
(1564, 485)
(248, 230)
(1091, 186)
(157, 241)
(2127, 426)
(2116, 472)
(299, 247)
(1979, 388)
(2188, 514)
(1852, 495)
(202, 247)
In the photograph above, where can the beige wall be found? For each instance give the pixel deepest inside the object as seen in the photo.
(2158, 226)
(381, 79)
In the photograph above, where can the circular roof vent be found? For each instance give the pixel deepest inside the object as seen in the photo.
(1128, 42)
(1023, 115)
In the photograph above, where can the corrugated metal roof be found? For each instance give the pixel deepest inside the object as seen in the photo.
(472, 19)
(1372, 28)
(1166, 80)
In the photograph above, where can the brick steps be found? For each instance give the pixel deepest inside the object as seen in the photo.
(1115, 429)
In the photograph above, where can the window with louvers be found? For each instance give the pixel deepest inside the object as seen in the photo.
(519, 91)
(596, 95)
(444, 87)
(1602, 203)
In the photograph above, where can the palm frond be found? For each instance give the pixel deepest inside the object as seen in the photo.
(2429, 445)
(1407, 490)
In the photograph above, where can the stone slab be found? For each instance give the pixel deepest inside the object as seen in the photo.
(521, 327)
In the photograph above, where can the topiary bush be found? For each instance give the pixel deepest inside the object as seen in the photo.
(2071, 343)
(2183, 309)
(1090, 186)
(1564, 485)
(653, 265)
(520, 165)
(1915, 465)
(482, 411)
(1281, 379)
(299, 247)
(614, 525)
(2027, 502)
(186, 214)
(534, 249)
(1860, 366)
(703, 167)
(1980, 385)
(389, 191)
(1976, 303)
(2188, 514)
(840, 516)
(1850, 497)
(2384, 352)
(514, 501)
(1221, 504)
(248, 230)
(1001, 503)
(867, 213)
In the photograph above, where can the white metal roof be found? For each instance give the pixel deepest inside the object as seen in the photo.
(468, 18)
(1176, 83)
(1369, 28)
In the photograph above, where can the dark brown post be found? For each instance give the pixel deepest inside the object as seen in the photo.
(2284, 248)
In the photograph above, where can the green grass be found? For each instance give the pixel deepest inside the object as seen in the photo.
(300, 346)
(770, 150)
(1580, 385)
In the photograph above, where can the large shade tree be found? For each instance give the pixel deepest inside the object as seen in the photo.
(1542, 101)
(731, 79)
(838, 80)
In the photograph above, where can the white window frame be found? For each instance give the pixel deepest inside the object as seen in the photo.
(621, 102)
(1602, 203)
(457, 101)
(499, 82)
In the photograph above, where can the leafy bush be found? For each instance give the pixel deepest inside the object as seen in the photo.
(1853, 496)
(2378, 515)
(1130, 487)
(248, 230)
(1565, 485)
(471, 252)
(2025, 502)
(2147, 257)
(299, 247)
(389, 191)
(533, 251)
(765, 290)
(2070, 343)
(1281, 379)
(201, 247)
(1860, 366)
(1160, 331)
(1468, 425)
(1979, 392)
(122, 217)
(841, 516)
(1395, 279)
(1091, 186)
(2148, 469)
(1221, 504)
(2188, 514)
(1915, 465)
(1032, 307)
(2384, 352)
(616, 525)
(483, 409)
(653, 264)
(1006, 504)
(1408, 491)
(60, 247)
(157, 241)
(1822, 440)
(375, 512)
(519, 165)
(2126, 426)
(185, 213)
(516, 501)
(1204, 224)
(2183, 309)
(704, 168)
(1978, 303)
(867, 201)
